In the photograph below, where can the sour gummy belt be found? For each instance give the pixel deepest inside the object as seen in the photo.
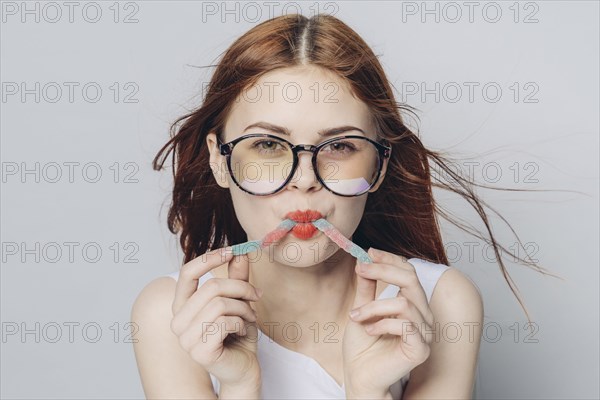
(286, 225)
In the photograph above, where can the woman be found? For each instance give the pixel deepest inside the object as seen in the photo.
(221, 326)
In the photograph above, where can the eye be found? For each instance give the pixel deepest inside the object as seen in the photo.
(268, 146)
(265, 143)
(340, 147)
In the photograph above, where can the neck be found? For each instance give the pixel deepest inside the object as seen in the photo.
(300, 304)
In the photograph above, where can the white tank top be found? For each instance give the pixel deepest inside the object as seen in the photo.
(287, 374)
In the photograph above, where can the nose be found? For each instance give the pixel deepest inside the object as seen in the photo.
(305, 178)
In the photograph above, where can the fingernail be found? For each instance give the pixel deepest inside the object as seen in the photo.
(354, 313)
(377, 253)
(362, 267)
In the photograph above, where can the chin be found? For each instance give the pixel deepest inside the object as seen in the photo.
(303, 253)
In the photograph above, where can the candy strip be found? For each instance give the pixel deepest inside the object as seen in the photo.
(286, 225)
(335, 235)
(282, 229)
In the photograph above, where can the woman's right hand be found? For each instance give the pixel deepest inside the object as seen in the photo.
(215, 323)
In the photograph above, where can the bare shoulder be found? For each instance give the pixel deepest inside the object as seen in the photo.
(166, 369)
(157, 295)
(456, 298)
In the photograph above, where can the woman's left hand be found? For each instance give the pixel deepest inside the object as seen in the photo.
(402, 327)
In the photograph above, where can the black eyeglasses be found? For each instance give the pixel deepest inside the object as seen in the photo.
(262, 164)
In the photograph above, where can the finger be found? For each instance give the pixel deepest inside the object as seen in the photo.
(214, 287)
(402, 274)
(365, 290)
(239, 268)
(414, 347)
(399, 307)
(205, 322)
(191, 272)
(407, 281)
(402, 308)
(207, 347)
(225, 306)
(211, 334)
(386, 257)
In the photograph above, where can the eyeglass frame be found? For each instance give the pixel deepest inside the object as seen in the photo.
(226, 149)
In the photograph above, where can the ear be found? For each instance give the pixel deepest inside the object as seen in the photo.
(218, 162)
(381, 175)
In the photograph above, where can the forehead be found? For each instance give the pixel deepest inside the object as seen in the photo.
(302, 99)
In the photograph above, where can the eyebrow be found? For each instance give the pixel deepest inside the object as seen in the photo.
(323, 132)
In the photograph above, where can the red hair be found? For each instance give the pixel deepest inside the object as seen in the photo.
(400, 217)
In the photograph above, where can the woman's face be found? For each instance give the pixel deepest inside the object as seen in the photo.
(303, 101)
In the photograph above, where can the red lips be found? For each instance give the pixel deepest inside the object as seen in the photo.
(304, 229)
(304, 216)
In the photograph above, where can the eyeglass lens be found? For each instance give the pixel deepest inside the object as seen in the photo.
(347, 166)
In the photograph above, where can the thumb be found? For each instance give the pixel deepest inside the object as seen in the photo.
(365, 288)
(239, 268)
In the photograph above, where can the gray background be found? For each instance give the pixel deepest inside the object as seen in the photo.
(544, 138)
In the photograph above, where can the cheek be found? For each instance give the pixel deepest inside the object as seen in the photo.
(253, 213)
(348, 213)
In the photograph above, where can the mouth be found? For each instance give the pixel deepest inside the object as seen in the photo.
(304, 229)
(304, 216)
